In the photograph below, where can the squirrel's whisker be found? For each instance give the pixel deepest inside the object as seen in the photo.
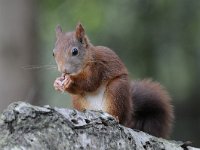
(39, 67)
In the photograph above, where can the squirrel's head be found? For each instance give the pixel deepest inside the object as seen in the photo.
(70, 50)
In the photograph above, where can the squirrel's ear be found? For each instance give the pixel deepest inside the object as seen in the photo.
(80, 32)
(58, 31)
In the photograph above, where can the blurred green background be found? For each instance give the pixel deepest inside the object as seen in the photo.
(155, 39)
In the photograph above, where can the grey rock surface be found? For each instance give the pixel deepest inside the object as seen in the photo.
(27, 127)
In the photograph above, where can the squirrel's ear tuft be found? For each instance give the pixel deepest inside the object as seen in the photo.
(58, 31)
(80, 32)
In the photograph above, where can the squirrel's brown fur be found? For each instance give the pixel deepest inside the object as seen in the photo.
(97, 79)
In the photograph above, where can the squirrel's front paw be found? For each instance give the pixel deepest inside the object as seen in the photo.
(62, 83)
(67, 82)
(59, 84)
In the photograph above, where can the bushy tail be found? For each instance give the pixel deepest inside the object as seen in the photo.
(153, 112)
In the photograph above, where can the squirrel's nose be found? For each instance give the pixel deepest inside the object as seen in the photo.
(62, 69)
(65, 71)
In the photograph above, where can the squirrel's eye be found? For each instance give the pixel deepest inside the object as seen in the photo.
(74, 51)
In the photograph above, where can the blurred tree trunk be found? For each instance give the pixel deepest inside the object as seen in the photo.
(17, 48)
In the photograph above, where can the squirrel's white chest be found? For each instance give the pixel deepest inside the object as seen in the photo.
(96, 100)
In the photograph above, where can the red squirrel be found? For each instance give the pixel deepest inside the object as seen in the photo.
(97, 79)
